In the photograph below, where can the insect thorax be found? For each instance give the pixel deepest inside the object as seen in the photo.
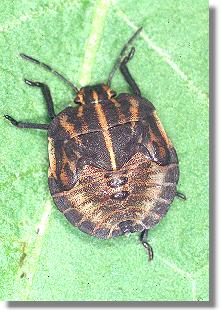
(94, 94)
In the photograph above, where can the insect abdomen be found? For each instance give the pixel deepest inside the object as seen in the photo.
(147, 190)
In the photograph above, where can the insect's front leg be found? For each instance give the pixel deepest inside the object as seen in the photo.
(127, 76)
(46, 94)
(25, 124)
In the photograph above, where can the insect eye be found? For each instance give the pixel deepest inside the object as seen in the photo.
(77, 100)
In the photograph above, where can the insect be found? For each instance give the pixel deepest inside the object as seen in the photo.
(112, 168)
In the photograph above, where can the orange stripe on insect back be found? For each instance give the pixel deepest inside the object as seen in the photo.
(107, 90)
(134, 111)
(104, 125)
(65, 178)
(69, 128)
(80, 111)
(84, 128)
(52, 158)
(161, 129)
(121, 116)
(80, 114)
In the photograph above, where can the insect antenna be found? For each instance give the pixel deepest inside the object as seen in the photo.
(121, 55)
(50, 69)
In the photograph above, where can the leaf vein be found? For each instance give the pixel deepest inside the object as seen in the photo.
(34, 248)
(93, 41)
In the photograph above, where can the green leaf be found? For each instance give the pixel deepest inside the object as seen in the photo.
(43, 257)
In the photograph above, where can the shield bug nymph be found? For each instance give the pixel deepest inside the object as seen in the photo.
(112, 168)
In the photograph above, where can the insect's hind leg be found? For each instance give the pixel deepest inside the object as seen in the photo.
(47, 96)
(147, 246)
(125, 72)
(181, 195)
(26, 125)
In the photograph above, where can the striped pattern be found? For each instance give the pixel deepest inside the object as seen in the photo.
(112, 166)
(104, 128)
(151, 190)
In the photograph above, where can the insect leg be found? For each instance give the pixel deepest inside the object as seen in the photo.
(47, 96)
(26, 125)
(180, 195)
(127, 76)
(147, 246)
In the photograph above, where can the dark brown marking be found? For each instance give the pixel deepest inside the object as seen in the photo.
(121, 195)
(169, 192)
(53, 185)
(102, 233)
(172, 173)
(63, 203)
(126, 226)
(161, 208)
(87, 227)
(149, 222)
(116, 233)
(138, 228)
(74, 216)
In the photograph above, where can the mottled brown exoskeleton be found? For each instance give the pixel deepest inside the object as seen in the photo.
(113, 170)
